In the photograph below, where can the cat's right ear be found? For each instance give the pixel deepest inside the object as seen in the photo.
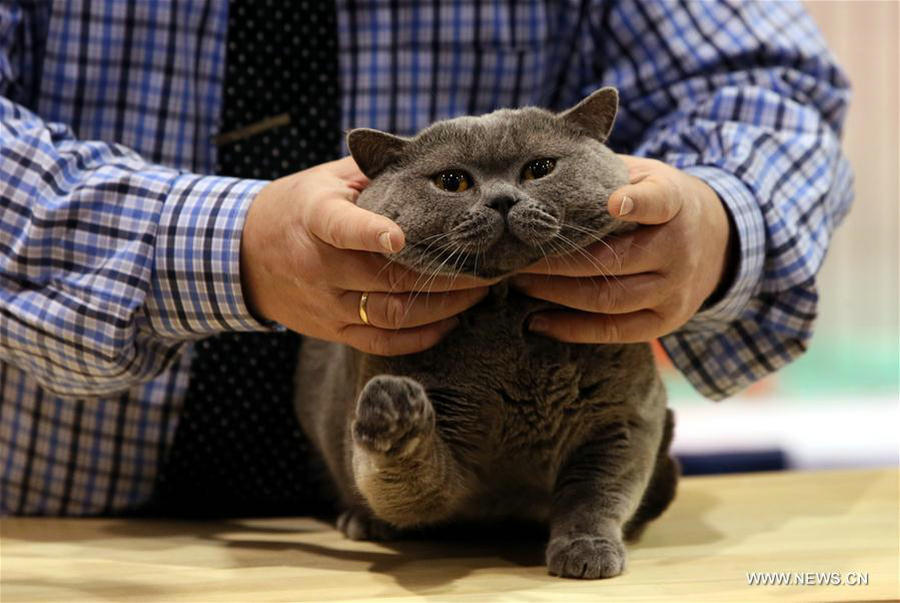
(374, 150)
(595, 114)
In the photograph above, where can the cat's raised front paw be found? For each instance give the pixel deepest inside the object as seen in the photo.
(393, 415)
(585, 556)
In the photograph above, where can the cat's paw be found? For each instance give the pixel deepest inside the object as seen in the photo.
(585, 556)
(359, 524)
(393, 415)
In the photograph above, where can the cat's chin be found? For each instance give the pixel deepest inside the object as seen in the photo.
(491, 272)
(470, 267)
(496, 269)
(503, 258)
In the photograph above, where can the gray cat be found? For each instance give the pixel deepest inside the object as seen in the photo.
(495, 421)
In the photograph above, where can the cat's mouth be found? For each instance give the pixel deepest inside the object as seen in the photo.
(505, 257)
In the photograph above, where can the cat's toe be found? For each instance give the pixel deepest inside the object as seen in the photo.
(358, 524)
(588, 557)
(392, 415)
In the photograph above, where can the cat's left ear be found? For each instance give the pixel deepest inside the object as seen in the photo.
(374, 150)
(595, 114)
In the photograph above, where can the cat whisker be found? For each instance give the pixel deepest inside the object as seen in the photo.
(600, 240)
(437, 242)
(435, 239)
(636, 245)
(456, 251)
(387, 265)
(596, 238)
(439, 259)
(438, 238)
(438, 255)
(559, 251)
(416, 289)
(423, 268)
(459, 263)
(544, 255)
(462, 263)
(414, 295)
(573, 246)
(602, 269)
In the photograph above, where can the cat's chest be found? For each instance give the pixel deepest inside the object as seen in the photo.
(502, 317)
(531, 390)
(520, 390)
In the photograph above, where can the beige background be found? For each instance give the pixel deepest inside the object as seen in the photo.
(859, 282)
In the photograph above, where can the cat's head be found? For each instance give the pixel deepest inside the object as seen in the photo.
(489, 195)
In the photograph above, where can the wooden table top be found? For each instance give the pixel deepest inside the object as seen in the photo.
(816, 526)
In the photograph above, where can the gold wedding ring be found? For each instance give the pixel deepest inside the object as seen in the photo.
(363, 299)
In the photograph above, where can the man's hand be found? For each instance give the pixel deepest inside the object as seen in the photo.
(306, 258)
(646, 283)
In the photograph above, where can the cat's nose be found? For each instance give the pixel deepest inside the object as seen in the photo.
(502, 204)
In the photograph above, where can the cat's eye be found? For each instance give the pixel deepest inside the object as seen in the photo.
(453, 181)
(538, 168)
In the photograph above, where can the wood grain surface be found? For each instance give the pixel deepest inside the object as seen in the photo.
(718, 530)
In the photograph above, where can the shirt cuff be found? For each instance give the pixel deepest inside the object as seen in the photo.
(196, 285)
(751, 233)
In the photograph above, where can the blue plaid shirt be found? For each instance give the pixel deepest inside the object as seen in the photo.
(118, 249)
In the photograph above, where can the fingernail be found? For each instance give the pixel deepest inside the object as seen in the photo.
(626, 206)
(538, 324)
(384, 239)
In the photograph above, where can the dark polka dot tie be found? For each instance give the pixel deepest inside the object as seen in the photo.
(238, 448)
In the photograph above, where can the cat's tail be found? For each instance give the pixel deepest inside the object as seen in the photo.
(661, 489)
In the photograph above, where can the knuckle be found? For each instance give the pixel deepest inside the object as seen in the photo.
(608, 299)
(342, 233)
(331, 229)
(616, 297)
(394, 311)
(674, 195)
(396, 277)
(361, 230)
(610, 330)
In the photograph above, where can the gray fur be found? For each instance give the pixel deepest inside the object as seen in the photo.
(495, 422)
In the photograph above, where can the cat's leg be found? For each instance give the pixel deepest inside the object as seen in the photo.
(596, 492)
(400, 464)
(660, 491)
